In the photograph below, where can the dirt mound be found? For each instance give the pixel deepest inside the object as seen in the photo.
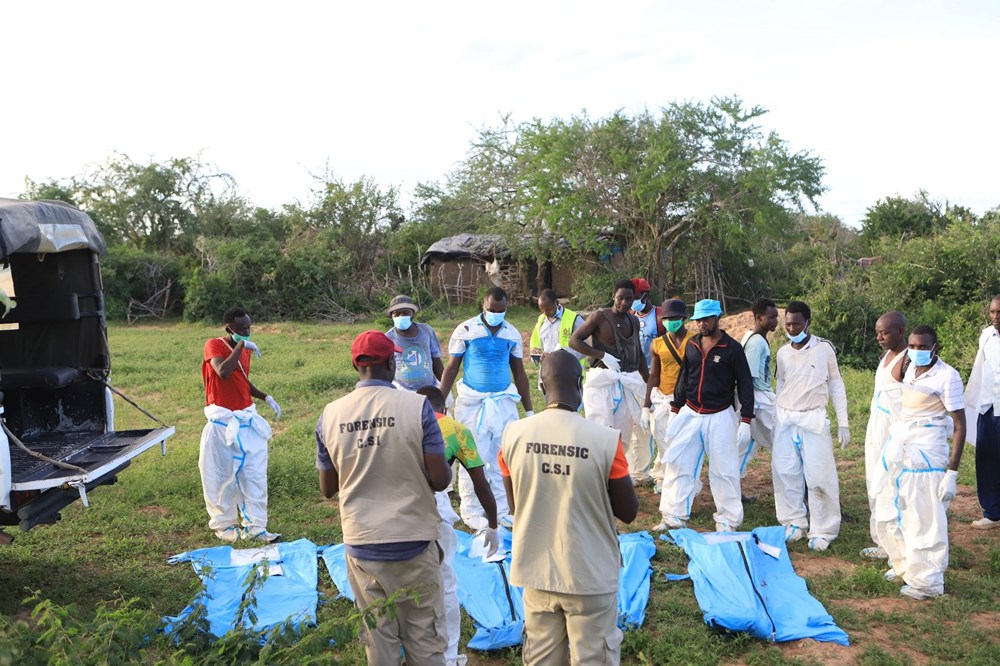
(738, 324)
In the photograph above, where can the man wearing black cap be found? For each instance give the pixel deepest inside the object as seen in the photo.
(381, 443)
(667, 354)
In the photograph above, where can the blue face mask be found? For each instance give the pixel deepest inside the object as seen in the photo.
(494, 318)
(797, 338)
(637, 305)
(402, 323)
(920, 357)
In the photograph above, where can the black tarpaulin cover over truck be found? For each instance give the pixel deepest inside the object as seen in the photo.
(45, 226)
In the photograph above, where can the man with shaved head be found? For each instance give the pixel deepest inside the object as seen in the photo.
(890, 332)
(566, 480)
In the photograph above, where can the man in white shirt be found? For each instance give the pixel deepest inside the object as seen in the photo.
(802, 454)
(554, 328)
(920, 479)
(982, 413)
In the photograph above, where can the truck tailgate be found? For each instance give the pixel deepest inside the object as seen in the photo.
(98, 453)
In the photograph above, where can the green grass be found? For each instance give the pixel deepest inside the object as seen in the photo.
(95, 559)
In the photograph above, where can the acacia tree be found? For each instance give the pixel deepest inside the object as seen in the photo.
(153, 206)
(682, 189)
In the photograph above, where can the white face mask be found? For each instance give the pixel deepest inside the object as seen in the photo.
(797, 338)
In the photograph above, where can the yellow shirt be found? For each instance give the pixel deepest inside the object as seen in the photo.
(670, 369)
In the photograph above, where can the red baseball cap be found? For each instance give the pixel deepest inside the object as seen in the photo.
(375, 346)
(640, 284)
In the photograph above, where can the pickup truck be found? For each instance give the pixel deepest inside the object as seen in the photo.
(58, 440)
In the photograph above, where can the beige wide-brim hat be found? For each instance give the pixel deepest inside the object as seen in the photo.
(399, 302)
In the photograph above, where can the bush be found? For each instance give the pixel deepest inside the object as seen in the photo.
(943, 281)
(129, 273)
(843, 312)
(594, 290)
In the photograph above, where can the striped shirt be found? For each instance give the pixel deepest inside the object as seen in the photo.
(934, 393)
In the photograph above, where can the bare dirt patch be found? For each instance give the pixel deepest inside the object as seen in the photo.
(153, 510)
(758, 482)
(963, 510)
(810, 651)
(808, 565)
(965, 506)
(988, 619)
(878, 604)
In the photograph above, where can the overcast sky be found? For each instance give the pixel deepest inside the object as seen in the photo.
(893, 96)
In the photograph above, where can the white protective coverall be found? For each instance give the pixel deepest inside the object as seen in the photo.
(233, 465)
(449, 543)
(659, 420)
(486, 415)
(912, 522)
(885, 410)
(762, 426)
(690, 436)
(615, 399)
(802, 461)
(761, 429)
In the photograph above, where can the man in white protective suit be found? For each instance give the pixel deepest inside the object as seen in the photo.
(802, 461)
(703, 422)
(920, 479)
(615, 389)
(890, 332)
(666, 359)
(758, 351)
(490, 354)
(233, 454)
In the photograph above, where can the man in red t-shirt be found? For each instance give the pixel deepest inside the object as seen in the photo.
(233, 456)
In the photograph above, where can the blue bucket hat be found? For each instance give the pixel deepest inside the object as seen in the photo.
(706, 308)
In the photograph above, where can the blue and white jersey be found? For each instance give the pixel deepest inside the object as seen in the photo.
(485, 356)
(648, 330)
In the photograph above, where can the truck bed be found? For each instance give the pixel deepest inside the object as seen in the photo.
(45, 489)
(89, 450)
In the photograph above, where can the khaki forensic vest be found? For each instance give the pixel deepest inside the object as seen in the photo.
(374, 436)
(564, 538)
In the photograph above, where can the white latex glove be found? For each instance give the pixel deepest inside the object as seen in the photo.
(491, 540)
(843, 436)
(527, 413)
(273, 404)
(947, 487)
(252, 347)
(743, 435)
(611, 363)
(644, 419)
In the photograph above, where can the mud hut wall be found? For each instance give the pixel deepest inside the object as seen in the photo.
(563, 278)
